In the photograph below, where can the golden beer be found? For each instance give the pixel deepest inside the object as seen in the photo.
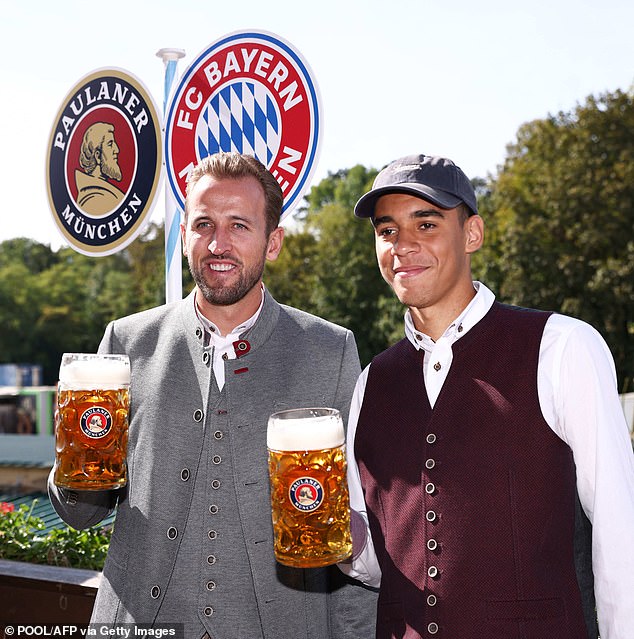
(91, 421)
(309, 492)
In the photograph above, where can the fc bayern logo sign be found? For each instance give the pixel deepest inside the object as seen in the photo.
(104, 162)
(251, 93)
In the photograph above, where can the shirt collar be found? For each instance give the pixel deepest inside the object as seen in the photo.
(477, 308)
(212, 330)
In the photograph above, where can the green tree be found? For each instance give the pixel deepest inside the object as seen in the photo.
(34, 256)
(348, 288)
(291, 278)
(559, 220)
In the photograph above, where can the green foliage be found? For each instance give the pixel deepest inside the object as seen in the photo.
(291, 278)
(22, 539)
(56, 302)
(559, 221)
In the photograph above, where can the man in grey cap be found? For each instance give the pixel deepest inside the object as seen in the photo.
(469, 438)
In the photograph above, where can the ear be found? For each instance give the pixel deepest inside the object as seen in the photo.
(183, 236)
(474, 233)
(274, 244)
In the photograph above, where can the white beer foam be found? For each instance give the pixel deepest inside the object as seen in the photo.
(310, 433)
(95, 373)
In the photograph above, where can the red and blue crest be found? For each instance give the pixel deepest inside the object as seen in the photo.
(252, 93)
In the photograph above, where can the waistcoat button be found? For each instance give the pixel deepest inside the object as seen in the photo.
(430, 515)
(431, 438)
(432, 628)
(215, 484)
(212, 534)
(172, 533)
(432, 544)
(431, 600)
(199, 332)
(213, 509)
(432, 571)
(211, 559)
(198, 415)
(208, 611)
(185, 474)
(430, 488)
(155, 593)
(429, 464)
(216, 459)
(205, 358)
(210, 585)
(218, 434)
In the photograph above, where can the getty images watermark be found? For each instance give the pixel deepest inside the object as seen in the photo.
(122, 631)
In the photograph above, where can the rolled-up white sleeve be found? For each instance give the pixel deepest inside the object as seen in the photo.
(578, 394)
(363, 565)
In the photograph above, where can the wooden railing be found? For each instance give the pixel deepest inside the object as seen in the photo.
(34, 594)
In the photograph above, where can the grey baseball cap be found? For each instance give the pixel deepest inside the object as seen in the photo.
(435, 179)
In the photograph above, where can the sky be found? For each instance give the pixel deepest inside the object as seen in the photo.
(455, 79)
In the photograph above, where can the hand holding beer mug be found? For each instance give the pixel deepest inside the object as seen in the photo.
(309, 491)
(91, 423)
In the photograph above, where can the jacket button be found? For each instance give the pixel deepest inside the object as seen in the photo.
(210, 585)
(430, 488)
(432, 571)
(185, 474)
(208, 611)
(198, 415)
(432, 544)
(431, 438)
(172, 533)
(213, 509)
(211, 559)
(155, 593)
(430, 515)
(432, 600)
(432, 628)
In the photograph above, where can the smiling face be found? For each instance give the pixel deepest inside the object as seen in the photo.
(423, 253)
(226, 244)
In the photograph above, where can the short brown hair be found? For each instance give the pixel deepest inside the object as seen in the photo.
(234, 166)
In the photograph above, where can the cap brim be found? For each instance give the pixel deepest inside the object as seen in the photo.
(365, 206)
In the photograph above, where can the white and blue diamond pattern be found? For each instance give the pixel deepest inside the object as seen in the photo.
(242, 117)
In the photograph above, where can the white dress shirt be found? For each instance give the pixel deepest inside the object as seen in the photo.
(578, 397)
(221, 346)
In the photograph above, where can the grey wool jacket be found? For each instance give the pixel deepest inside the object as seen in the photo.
(192, 540)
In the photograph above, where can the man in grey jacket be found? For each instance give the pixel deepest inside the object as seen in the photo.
(193, 539)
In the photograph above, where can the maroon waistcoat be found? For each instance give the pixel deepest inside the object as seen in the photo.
(471, 503)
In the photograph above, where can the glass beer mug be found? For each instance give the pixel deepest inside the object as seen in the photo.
(309, 492)
(91, 421)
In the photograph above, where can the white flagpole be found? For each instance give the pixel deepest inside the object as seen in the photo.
(173, 254)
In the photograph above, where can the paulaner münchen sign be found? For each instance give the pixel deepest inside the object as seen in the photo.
(104, 162)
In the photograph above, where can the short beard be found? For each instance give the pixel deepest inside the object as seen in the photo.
(227, 295)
